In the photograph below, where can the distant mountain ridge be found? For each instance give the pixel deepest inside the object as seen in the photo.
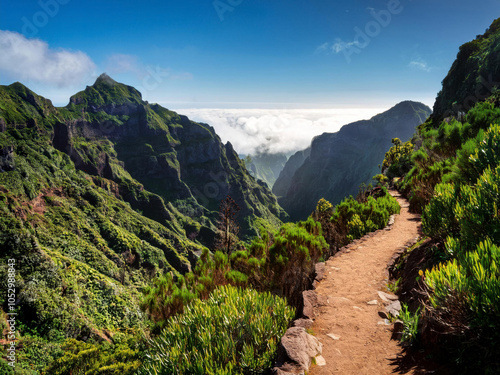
(339, 162)
(266, 167)
(285, 177)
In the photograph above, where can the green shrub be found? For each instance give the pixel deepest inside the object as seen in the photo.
(360, 218)
(397, 160)
(482, 115)
(291, 259)
(410, 324)
(356, 227)
(463, 170)
(438, 218)
(472, 280)
(469, 212)
(487, 154)
(477, 209)
(166, 298)
(282, 262)
(96, 359)
(381, 179)
(234, 331)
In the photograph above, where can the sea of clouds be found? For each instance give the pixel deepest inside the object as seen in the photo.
(272, 131)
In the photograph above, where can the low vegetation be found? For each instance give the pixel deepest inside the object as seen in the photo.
(353, 218)
(234, 331)
(282, 262)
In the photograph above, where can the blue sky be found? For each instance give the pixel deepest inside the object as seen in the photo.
(251, 54)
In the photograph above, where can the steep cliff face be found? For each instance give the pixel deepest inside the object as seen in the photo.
(182, 161)
(473, 76)
(339, 162)
(284, 180)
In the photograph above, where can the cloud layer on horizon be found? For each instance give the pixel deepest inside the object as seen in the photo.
(254, 131)
(32, 60)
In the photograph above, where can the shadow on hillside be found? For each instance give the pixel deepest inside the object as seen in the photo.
(418, 362)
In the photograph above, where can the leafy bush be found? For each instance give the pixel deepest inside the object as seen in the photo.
(397, 160)
(487, 154)
(234, 331)
(282, 262)
(291, 259)
(469, 212)
(438, 218)
(382, 180)
(166, 298)
(361, 218)
(477, 210)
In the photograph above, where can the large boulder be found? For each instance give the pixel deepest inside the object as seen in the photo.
(296, 351)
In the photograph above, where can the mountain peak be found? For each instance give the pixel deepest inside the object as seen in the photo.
(105, 79)
(106, 90)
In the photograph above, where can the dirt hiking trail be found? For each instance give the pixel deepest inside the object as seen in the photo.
(356, 340)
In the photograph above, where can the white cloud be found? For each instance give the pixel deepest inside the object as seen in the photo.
(338, 46)
(273, 130)
(33, 60)
(420, 65)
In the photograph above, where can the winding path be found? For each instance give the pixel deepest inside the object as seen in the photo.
(356, 340)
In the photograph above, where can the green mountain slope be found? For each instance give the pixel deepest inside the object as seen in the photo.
(472, 77)
(182, 161)
(99, 197)
(293, 163)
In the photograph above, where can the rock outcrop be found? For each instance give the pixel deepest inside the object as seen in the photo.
(7, 159)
